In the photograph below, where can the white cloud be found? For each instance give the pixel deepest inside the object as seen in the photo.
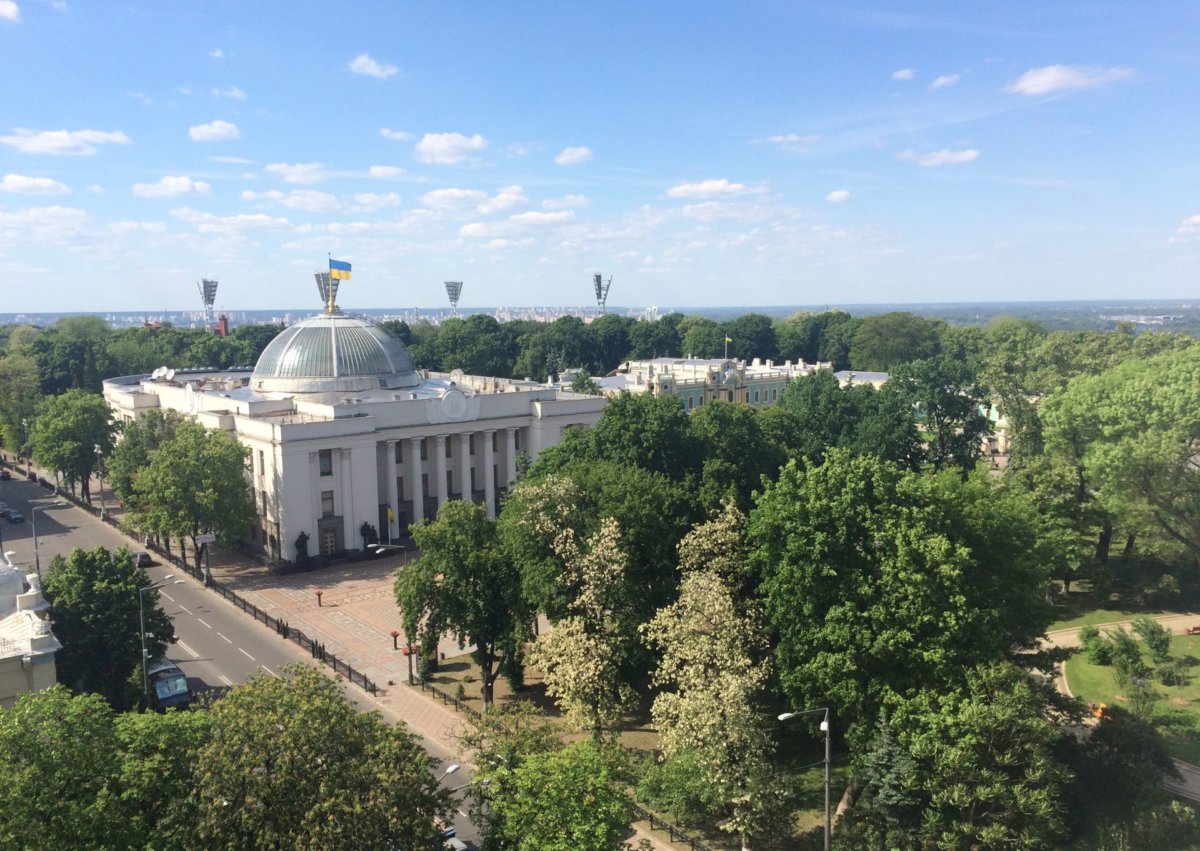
(375, 200)
(78, 143)
(217, 53)
(229, 92)
(55, 225)
(944, 81)
(1064, 78)
(96, 189)
(482, 229)
(142, 96)
(708, 211)
(936, 158)
(9, 10)
(573, 156)
(385, 171)
(1188, 229)
(449, 148)
(171, 187)
(298, 172)
(298, 199)
(230, 225)
(565, 202)
(507, 198)
(214, 131)
(231, 160)
(794, 142)
(539, 218)
(711, 189)
(127, 226)
(365, 65)
(838, 196)
(451, 200)
(904, 74)
(20, 185)
(395, 135)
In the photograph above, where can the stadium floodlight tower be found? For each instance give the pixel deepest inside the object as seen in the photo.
(208, 295)
(601, 287)
(454, 290)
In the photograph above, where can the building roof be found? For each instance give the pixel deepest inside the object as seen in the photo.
(333, 352)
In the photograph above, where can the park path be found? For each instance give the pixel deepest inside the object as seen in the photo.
(1189, 786)
(353, 618)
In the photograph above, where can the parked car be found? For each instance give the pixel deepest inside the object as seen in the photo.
(143, 560)
(168, 685)
(5, 475)
(15, 516)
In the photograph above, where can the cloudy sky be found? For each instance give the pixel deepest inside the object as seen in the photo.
(751, 153)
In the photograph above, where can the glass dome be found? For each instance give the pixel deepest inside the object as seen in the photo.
(333, 353)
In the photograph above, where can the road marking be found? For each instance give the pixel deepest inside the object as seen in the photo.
(464, 815)
(247, 655)
(195, 655)
(184, 608)
(269, 671)
(225, 638)
(204, 622)
(168, 596)
(226, 680)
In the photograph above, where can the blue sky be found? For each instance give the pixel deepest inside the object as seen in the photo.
(754, 153)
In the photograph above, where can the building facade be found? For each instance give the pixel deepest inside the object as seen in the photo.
(343, 432)
(27, 644)
(698, 381)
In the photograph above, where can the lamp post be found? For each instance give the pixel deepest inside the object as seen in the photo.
(158, 583)
(37, 561)
(100, 475)
(380, 549)
(786, 716)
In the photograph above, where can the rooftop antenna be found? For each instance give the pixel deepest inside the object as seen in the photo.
(208, 295)
(601, 288)
(454, 290)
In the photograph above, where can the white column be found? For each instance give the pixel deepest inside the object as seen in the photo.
(489, 480)
(314, 477)
(439, 466)
(350, 522)
(510, 456)
(464, 465)
(416, 490)
(392, 494)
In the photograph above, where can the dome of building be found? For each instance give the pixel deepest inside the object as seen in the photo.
(333, 353)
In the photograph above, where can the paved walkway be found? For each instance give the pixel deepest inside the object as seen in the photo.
(354, 620)
(1189, 786)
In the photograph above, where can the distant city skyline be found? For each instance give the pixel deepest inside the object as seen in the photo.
(754, 154)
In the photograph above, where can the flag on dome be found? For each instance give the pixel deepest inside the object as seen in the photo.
(339, 270)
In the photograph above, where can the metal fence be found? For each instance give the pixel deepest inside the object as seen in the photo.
(447, 699)
(674, 833)
(316, 648)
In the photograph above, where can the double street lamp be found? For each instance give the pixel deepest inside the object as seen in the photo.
(158, 583)
(37, 561)
(787, 716)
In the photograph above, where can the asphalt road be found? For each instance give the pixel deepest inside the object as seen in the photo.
(217, 645)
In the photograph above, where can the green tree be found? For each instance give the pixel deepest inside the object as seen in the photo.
(195, 483)
(886, 340)
(651, 432)
(94, 599)
(70, 434)
(753, 336)
(583, 383)
(464, 584)
(19, 396)
(701, 337)
(563, 800)
(57, 760)
(139, 439)
(1156, 636)
(608, 343)
(291, 763)
(951, 408)
(738, 454)
(658, 339)
(881, 581)
(73, 354)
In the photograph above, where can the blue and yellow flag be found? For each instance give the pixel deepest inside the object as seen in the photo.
(339, 270)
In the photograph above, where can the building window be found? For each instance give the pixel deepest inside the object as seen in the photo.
(517, 440)
(495, 441)
(424, 449)
(325, 461)
(262, 463)
(449, 448)
(326, 503)
(471, 443)
(449, 482)
(399, 451)
(263, 495)
(474, 486)
(691, 402)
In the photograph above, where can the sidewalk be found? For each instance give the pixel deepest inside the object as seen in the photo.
(354, 620)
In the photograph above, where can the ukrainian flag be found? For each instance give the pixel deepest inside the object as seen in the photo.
(339, 270)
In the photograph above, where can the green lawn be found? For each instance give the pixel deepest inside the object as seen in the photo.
(1178, 719)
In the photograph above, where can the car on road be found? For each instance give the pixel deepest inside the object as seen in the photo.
(5, 475)
(143, 560)
(168, 685)
(15, 516)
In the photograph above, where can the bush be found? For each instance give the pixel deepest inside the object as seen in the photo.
(1097, 648)
(678, 787)
(1156, 636)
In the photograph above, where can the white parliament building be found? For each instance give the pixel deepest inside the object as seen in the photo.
(343, 430)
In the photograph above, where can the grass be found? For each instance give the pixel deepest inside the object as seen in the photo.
(1178, 719)
(1083, 607)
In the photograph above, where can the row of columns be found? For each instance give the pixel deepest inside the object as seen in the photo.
(462, 476)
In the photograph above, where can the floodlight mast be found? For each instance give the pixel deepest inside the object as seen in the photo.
(208, 296)
(601, 286)
(454, 290)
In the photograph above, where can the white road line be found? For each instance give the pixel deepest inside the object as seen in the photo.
(247, 655)
(195, 655)
(225, 638)
(168, 596)
(226, 680)
(204, 622)
(184, 608)
(269, 671)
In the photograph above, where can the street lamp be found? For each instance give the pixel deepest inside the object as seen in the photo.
(100, 475)
(787, 716)
(450, 769)
(380, 549)
(33, 521)
(158, 583)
